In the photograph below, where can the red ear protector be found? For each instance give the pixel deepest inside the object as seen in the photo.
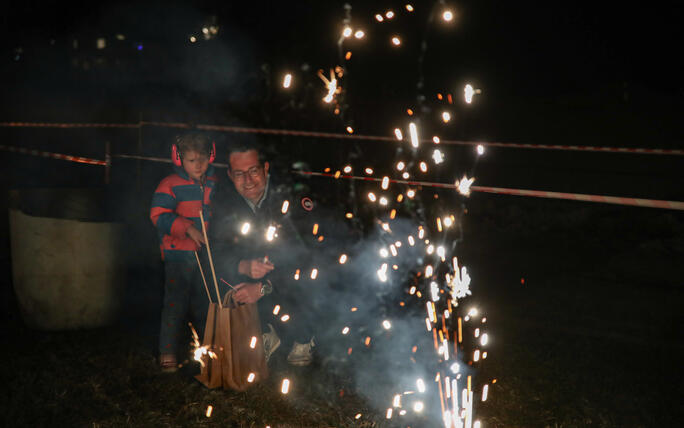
(176, 154)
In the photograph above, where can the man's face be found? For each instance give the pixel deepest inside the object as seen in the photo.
(248, 175)
(195, 164)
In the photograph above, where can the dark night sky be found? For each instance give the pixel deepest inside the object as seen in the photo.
(536, 57)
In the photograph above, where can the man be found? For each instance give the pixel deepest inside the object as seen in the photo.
(257, 246)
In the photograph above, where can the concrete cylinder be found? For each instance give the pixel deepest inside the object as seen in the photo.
(67, 274)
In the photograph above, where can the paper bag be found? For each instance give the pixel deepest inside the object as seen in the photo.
(233, 334)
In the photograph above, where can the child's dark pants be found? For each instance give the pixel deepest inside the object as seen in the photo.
(185, 299)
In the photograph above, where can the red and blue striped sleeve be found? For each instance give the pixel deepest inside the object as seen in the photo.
(162, 212)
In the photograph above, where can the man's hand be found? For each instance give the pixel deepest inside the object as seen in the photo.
(247, 292)
(255, 269)
(195, 235)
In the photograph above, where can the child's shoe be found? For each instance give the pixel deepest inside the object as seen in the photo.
(168, 363)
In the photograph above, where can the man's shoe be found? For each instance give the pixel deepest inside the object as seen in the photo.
(271, 342)
(301, 354)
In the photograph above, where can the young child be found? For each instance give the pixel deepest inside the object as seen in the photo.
(175, 213)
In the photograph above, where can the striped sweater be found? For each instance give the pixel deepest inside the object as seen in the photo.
(175, 207)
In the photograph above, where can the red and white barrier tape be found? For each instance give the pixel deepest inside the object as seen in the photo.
(52, 155)
(312, 134)
(650, 203)
(67, 125)
(166, 160)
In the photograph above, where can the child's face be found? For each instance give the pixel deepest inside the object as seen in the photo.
(195, 164)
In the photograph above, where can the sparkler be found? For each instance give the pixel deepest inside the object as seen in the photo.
(285, 388)
(464, 185)
(413, 132)
(469, 92)
(331, 84)
(287, 81)
(245, 228)
(438, 156)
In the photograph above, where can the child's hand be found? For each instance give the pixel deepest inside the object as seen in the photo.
(195, 235)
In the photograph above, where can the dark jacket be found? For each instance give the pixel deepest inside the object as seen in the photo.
(230, 245)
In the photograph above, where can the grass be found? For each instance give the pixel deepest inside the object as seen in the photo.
(591, 338)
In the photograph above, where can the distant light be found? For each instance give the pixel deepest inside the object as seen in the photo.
(396, 41)
(350, 130)
(120, 37)
(347, 32)
(251, 377)
(446, 116)
(386, 324)
(484, 339)
(245, 228)
(343, 259)
(383, 201)
(205, 30)
(420, 385)
(436, 139)
(140, 47)
(389, 14)
(193, 39)
(385, 183)
(285, 206)
(448, 15)
(405, 175)
(384, 253)
(369, 171)
(372, 197)
(418, 406)
(379, 17)
(347, 169)
(345, 330)
(286, 386)
(287, 81)
(101, 43)
(423, 166)
(359, 34)
(409, 8)
(480, 149)
(314, 273)
(411, 193)
(400, 165)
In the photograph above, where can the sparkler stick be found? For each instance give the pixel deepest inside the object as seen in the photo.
(203, 278)
(211, 260)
